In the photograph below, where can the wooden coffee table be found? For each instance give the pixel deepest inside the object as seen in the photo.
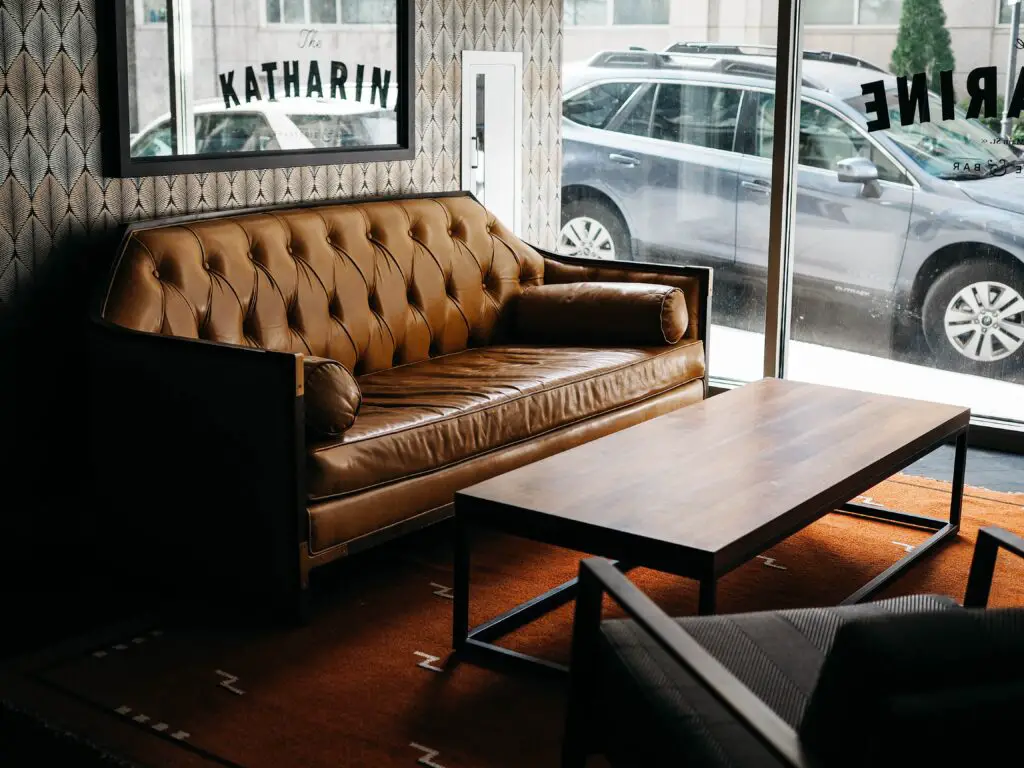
(701, 491)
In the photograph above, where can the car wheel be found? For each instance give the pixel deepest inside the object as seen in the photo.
(592, 229)
(973, 318)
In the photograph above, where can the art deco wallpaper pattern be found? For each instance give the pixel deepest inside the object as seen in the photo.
(50, 182)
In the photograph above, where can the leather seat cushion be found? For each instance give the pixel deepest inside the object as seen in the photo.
(425, 416)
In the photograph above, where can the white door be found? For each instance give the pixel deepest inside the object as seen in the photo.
(492, 132)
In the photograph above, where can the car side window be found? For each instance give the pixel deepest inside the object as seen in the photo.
(333, 130)
(234, 132)
(703, 116)
(596, 106)
(156, 141)
(637, 121)
(825, 139)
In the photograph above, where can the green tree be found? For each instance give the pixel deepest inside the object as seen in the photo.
(923, 44)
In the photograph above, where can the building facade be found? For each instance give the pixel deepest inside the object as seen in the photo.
(867, 28)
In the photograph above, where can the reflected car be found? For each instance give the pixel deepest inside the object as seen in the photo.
(288, 124)
(908, 241)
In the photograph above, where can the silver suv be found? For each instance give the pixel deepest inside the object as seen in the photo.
(912, 237)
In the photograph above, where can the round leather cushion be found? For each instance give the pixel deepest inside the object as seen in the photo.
(332, 397)
(602, 313)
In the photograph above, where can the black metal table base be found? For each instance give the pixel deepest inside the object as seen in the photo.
(477, 644)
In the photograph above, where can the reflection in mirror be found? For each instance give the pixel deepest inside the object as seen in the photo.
(479, 184)
(207, 77)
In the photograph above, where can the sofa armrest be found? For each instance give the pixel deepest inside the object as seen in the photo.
(199, 460)
(696, 283)
(598, 577)
(625, 314)
(983, 564)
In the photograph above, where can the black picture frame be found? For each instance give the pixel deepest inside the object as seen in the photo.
(117, 161)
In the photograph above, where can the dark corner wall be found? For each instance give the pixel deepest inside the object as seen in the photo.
(58, 221)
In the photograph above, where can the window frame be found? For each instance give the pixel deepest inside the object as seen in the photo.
(116, 157)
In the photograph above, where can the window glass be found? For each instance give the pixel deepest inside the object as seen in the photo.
(696, 114)
(1005, 12)
(234, 132)
(586, 12)
(880, 11)
(323, 11)
(641, 12)
(828, 12)
(273, 11)
(942, 147)
(638, 121)
(596, 106)
(332, 130)
(294, 12)
(369, 12)
(154, 11)
(825, 139)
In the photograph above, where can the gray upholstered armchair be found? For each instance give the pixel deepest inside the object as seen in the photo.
(909, 681)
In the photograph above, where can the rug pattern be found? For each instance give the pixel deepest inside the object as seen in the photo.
(370, 681)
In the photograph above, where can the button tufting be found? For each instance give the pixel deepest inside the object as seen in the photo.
(156, 273)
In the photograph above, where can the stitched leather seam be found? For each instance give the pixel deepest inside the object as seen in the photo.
(412, 276)
(163, 294)
(289, 303)
(209, 294)
(344, 254)
(497, 448)
(480, 409)
(191, 309)
(664, 299)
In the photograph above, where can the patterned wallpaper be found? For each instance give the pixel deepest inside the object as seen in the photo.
(50, 150)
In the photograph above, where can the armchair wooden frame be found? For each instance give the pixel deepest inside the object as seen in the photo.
(598, 577)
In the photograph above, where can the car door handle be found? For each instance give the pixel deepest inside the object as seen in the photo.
(629, 160)
(758, 185)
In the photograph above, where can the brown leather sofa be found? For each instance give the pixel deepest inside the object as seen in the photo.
(276, 389)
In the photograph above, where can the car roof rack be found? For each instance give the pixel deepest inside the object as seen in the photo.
(678, 61)
(635, 58)
(769, 50)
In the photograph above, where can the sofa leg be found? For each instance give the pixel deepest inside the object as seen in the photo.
(301, 608)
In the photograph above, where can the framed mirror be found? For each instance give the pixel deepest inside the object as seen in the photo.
(192, 86)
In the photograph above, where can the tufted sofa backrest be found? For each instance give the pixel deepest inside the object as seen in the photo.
(370, 284)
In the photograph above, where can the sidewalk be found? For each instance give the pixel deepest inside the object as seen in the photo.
(739, 355)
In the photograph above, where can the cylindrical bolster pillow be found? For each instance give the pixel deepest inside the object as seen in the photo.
(332, 397)
(622, 314)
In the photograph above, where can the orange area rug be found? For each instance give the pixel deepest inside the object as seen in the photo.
(369, 681)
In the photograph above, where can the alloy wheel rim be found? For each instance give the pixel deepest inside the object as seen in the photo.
(985, 321)
(586, 237)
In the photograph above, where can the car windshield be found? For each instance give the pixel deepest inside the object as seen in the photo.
(957, 148)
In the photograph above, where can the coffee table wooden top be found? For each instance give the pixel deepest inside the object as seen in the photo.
(719, 481)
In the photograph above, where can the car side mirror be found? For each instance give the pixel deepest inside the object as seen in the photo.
(857, 170)
(860, 170)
